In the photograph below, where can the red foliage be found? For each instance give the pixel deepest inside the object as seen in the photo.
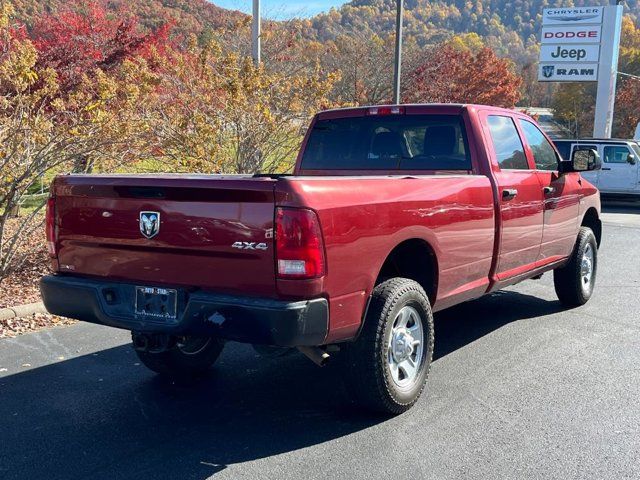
(83, 37)
(459, 76)
(627, 112)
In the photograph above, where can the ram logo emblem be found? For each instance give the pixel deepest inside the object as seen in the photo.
(149, 224)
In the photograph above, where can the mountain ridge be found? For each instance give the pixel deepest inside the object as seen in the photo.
(510, 27)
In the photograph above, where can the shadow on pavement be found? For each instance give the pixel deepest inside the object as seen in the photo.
(620, 206)
(103, 416)
(460, 325)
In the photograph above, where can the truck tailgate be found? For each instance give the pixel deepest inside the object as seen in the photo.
(209, 228)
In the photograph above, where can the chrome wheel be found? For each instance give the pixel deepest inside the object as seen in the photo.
(406, 347)
(586, 267)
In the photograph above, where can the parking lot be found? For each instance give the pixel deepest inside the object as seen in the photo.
(520, 388)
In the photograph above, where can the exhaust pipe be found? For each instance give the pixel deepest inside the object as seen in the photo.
(315, 354)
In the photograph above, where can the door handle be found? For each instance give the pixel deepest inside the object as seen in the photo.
(605, 168)
(548, 190)
(509, 193)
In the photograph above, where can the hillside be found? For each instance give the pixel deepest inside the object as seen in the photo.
(191, 16)
(509, 25)
(423, 17)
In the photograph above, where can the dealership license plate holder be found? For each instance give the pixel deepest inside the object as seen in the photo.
(157, 303)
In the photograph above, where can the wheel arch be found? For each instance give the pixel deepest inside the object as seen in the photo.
(592, 220)
(415, 259)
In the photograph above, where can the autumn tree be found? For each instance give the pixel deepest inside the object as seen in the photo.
(469, 42)
(450, 74)
(366, 65)
(627, 112)
(574, 106)
(266, 111)
(83, 37)
(534, 92)
(43, 129)
(629, 47)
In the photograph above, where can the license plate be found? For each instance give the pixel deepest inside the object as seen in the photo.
(160, 303)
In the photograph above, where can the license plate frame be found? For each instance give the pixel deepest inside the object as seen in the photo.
(156, 303)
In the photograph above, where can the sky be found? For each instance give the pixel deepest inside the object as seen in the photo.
(281, 9)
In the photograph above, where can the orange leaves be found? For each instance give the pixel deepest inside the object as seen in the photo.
(449, 74)
(628, 108)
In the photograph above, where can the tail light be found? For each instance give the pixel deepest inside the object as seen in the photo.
(51, 229)
(299, 245)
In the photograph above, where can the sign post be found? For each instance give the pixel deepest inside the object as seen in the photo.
(581, 44)
(607, 75)
(397, 70)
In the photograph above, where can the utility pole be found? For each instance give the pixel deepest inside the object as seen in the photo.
(398, 60)
(255, 33)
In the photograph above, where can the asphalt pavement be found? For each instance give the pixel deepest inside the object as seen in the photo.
(520, 388)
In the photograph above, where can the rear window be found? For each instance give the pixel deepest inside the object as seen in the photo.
(402, 142)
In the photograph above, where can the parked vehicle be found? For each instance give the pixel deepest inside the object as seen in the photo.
(392, 213)
(620, 173)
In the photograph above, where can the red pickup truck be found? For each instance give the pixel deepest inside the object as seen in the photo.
(392, 213)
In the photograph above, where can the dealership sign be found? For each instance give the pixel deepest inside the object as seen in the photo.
(570, 53)
(572, 16)
(570, 44)
(563, 35)
(569, 72)
(582, 44)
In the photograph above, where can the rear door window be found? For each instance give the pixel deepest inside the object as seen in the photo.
(390, 142)
(543, 153)
(507, 143)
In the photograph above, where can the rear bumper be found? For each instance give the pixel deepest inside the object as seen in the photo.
(243, 319)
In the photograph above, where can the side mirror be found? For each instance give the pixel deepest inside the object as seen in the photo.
(631, 159)
(582, 160)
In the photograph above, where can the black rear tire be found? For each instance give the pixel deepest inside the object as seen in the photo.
(185, 360)
(570, 281)
(369, 361)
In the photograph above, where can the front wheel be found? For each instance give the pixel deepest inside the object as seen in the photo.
(575, 281)
(386, 368)
(189, 357)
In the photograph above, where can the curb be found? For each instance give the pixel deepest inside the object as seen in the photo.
(22, 310)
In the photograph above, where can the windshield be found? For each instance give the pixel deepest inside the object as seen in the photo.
(636, 149)
(391, 142)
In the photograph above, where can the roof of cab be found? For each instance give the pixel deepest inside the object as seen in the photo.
(410, 107)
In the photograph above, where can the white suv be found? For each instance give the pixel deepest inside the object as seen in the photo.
(620, 173)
